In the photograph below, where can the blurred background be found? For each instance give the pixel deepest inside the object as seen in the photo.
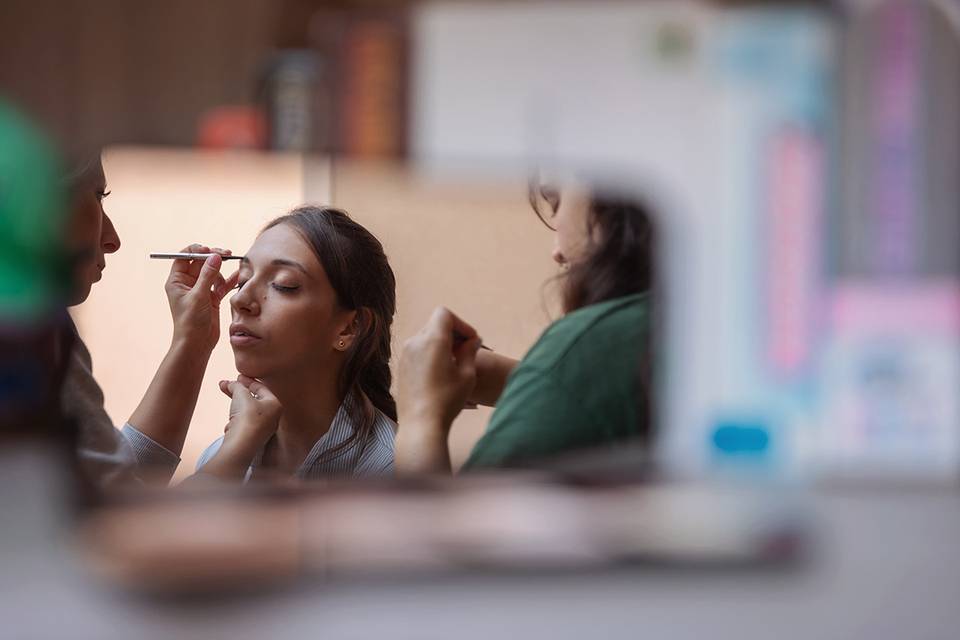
(803, 157)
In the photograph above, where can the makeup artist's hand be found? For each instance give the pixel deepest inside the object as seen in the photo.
(254, 417)
(194, 291)
(493, 370)
(437, 372)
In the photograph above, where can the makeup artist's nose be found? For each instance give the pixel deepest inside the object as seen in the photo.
(557, 253)
(109, 238)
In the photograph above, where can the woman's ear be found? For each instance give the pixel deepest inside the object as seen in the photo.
(354, 324)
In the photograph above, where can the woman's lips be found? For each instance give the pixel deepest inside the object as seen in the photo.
(240, 336)
(240, 340)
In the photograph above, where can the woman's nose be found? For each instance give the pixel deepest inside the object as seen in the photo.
(242, 301)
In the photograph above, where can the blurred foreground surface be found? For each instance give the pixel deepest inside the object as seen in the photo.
(481, 558)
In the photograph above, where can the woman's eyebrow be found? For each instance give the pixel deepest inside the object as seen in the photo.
(280, 262)
(289, 263)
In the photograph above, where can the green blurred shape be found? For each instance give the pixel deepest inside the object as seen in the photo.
(33, 274)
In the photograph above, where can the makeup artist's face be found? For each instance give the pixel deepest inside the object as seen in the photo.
(91, 233)
(285, 314)
(569, 204)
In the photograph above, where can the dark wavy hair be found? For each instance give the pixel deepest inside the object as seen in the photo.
(619, 259)
(360, 274)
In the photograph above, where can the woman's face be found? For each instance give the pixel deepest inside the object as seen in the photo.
(565, 208)
(285, 313)
(91, 234)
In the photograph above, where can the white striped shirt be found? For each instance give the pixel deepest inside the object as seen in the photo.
(372, 458)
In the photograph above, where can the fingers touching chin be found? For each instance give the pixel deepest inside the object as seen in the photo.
(248, 369)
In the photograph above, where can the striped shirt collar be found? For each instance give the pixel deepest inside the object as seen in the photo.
(373, 457)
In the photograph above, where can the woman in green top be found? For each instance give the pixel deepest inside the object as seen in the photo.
(584, 384)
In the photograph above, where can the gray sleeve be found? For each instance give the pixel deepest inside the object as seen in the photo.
(106, 459)
(105, 456)
(152, 458)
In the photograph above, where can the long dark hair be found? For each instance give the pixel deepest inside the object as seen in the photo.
(619, 259)
(360, 274)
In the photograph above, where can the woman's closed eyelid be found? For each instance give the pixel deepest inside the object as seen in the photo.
(275, 285)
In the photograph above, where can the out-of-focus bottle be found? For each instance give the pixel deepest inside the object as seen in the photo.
(290, 93)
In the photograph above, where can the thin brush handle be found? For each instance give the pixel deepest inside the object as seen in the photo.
(189, 256)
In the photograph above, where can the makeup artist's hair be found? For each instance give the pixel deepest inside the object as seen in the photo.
(619, 261)
(360, 274)
(619, 258)
(79, 165)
